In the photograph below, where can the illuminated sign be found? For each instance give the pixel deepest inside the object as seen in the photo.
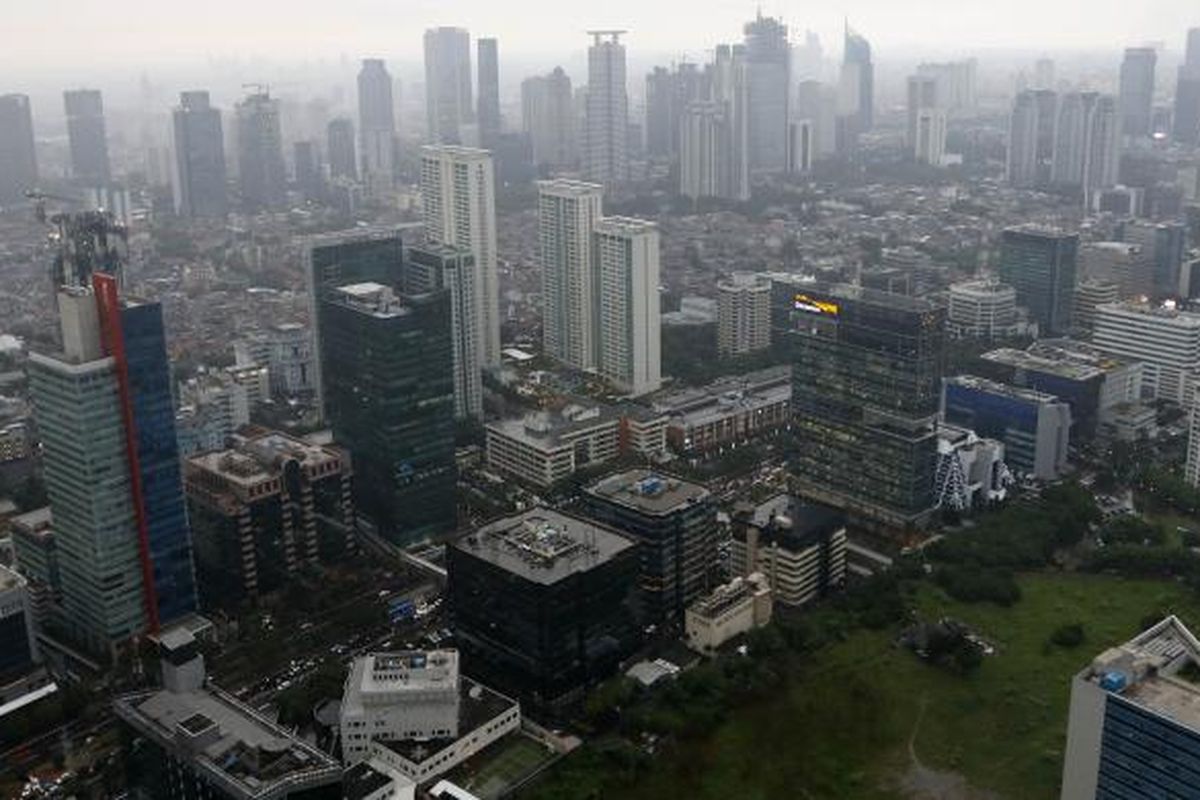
(803, 302)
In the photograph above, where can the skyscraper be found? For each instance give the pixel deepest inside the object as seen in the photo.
(867, 369)
(1186, 128)
(437, 267)
(668, 92)
(459, 196)
(926, 120)
(339, 144)
(448, 104)
(106, 418)
(627, 266)
(766, 63)
(858, 72)
(1104, 145)
(567, 213)
(261, 171)
(18, 159)
(489, 92)
(376, 124)
(817, 102)
(1040, 264)
(1072, 139)
(388, 380)
(199, 178)
(1136, 95)
(1031, 138)
(306, 168)
(705, 155)
(548, 116)
(605, 151)
(87, 137)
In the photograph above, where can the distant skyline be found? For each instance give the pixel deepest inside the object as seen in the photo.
(62, 35)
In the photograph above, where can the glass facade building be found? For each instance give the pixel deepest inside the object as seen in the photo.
(866, 381)
(1040, 264)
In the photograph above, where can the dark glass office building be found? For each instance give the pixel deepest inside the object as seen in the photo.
(543, 603)
(87, 137)
(158, 458)
(388, 388)
(866, 380)
(199, 180)
(674, 523)
(18, 158)
(1040, 264)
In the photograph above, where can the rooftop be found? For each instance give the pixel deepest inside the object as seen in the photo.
(1003, 389)
(568, 187)
(730, 594)
(791, 521)
(1168, 312)
(1148, 671)
(254, 459)
(391, 676)
(550, 429)
(9, 579)
(649, 492)
(543, 545)
(36, 522)
(479, 705)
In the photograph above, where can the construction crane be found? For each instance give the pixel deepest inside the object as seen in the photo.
(86, 241)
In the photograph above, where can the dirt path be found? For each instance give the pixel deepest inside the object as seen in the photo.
(922, 783)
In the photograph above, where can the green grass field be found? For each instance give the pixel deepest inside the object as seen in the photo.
(842, 726)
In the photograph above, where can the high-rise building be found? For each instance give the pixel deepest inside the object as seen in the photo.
(674, 523)
(387, 371)
(866, 379)
(543, 603)
(1031, 138)
(1136, 96)
(1186, 127)
(488, 115)
(18, 642)
(262, 510)
(448, 104)
(1072, 139)
(857, 84)
(983, 309)
(668, 93)
(606, 134)
(458, 192)
(87, 137)
(929, 147)
(801, 146)
(956, 83)
(339, 146)
(262, 174)
(107, 423)
(199, 177)
(1040, 263)
(766, 59)
(1163, 247)
(306, 169)
(627, 272)
(1165, 339)
(922, 94)
(18, 159)
(548, 116)
(1104, 146)
(376, 125)
(743, 314)
(432, 268)
(1131, 730)
(817, 102)
(713, 135)
(567, 214)
(1089, 295)
(799, 548)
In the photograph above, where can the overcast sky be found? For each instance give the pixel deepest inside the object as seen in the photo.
(50, 35)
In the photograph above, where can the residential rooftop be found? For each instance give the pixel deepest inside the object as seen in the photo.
(648, 492)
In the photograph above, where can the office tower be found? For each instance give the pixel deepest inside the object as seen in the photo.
(18, 159)
(199, 178)
(1034, 426)
(337, 259)
(606, 134)
(800, 146)
(1136, 96)
(674, 523)
(1090, 294)
(930, 144)
(107, 423)
(387, 372)
(548, 116)
(18, 642)
(956, 83)
(306, 168)
(799, 548)
(1040, 264)
(459, 197)
(858, 75)
(866, 377)
(983, 309)
(87, 137)
(1163, 246)
(1031, 138)
(1072, 139)
(376, 125)
(1120, 263)
(817, 102)
(36, 552)
(1186, 128)
(543, 603)
(261, 171)
(1166, 341)
(187, 739)
(339, 144)
(448, 105)
(922, 94)
(627, 272)
(713, 159)
(432, 268)
(1104, 146)
(567, 214)
(489, 92)
(743, 314)
(766, 57)
(262, 509)
(668, 92)
(1131, 730)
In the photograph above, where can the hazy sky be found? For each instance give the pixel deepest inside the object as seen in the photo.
(51, 35)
